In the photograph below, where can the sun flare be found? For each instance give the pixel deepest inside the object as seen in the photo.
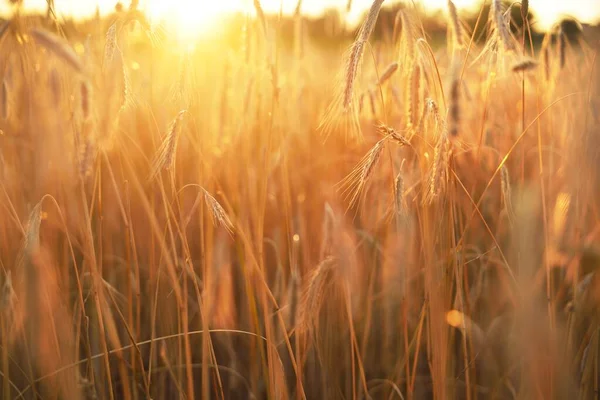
(190, 19)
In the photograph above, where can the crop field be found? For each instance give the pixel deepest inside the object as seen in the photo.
(293, 207)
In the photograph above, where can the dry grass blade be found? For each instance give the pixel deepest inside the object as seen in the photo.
(506, 192)
(58, 47)
(524, 9)
(4, 100)
(294, 289)
(8, 293)
(4, 28)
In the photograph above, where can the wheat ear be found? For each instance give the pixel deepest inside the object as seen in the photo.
(58, 47)
(356, 53)
(502, 29)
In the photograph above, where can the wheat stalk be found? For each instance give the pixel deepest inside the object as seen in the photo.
(546, 62)
(400, 201)
(387, 73)
(356, 53)
(524, 10)
(55, 84)
(409, 36)
(7, 296)
(128, 97)
(293, 295)
(372, 103)
(437, 174)
(524, 65)
(506, 192)
(562, 47)
(57, 46)
(397, 31)
(393, 134)
(351, 71)
(4, 99)
(87, 158)
(502, 29)
(328, 230)
(166, 153)
(455, 23)
(31, 242)
(110, 47)
(218, 213)
(373, 157)
(4, 28)
(361, 102)
(414, 103)
(430, 108)
(261, 16)
(357, 179)
(85, 99)
(312, 300)
(454, 107)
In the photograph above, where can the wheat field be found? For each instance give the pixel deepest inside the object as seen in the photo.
(298, 209)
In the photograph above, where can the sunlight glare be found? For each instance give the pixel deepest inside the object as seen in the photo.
(189, 19)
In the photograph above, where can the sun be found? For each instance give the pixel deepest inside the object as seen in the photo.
(190, 19)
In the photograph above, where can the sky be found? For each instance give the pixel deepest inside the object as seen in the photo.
(197, 11)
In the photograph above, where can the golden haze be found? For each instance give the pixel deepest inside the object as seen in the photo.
(295, 209)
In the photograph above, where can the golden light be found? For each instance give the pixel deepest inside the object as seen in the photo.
(455, 318)
(190, 19)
